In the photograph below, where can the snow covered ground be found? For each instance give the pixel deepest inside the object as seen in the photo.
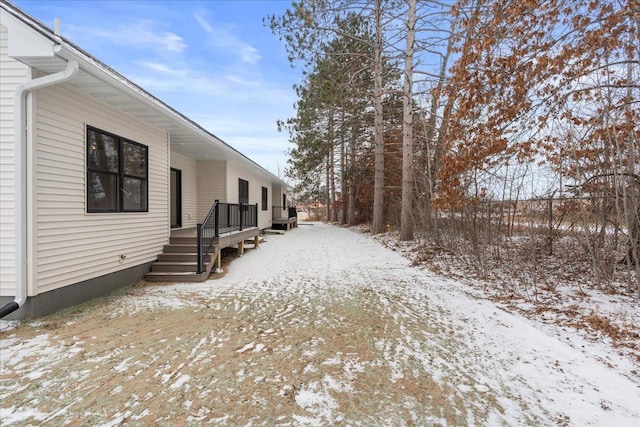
(321, 326)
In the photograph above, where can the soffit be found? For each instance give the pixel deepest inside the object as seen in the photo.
(186, 139)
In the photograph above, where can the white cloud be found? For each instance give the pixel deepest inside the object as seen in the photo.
(235, 79)
(223, 38)
(161, 68)
(229, 87)
(248, 54)
(172, 42)
(204, 24)
(181, 81)
(139, 34)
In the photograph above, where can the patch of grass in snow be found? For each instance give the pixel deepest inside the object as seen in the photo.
(244, 356)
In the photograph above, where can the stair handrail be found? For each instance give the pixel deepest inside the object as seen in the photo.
(208, 231)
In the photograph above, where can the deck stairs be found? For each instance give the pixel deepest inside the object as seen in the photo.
(178, 262)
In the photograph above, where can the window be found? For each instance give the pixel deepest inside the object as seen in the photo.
(116, 173)
(284, 201)
(264, 199)
(243, 191)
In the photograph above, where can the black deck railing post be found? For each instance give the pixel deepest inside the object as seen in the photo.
(207, 232)
(199, 228)
(241, 210)
(217, 219)
(255, 216)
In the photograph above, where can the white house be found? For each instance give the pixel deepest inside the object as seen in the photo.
(96, 174)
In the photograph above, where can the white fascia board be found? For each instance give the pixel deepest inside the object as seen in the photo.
(25, 42)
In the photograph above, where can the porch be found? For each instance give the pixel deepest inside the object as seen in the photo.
(192, 253)
(284, 218)
(228, 237)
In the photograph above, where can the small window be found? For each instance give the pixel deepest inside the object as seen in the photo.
(243, 191)
(264, 198)
(284, 201)
(117, 173)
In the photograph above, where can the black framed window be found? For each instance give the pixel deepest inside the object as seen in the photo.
(264, 198)
(117, 173)
(284, 201)
(243, 191)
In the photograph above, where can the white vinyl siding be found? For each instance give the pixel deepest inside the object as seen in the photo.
(212, 182)
(234, 173)
(279, 210)
(73, 245)
(12, 73)
(188, 167)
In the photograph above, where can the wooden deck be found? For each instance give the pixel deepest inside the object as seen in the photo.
(227, 238)
(285, 223)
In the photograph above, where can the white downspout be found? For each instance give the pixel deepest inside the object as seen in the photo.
(21, 178)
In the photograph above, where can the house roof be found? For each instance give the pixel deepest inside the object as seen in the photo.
(40, 48)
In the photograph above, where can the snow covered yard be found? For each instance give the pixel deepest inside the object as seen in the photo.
(321, 326)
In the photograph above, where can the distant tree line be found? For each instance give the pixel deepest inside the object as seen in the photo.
(414, 113)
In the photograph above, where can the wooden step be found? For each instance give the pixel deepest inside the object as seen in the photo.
(176, 267)
(182, 257)
(178, 262)
(183, 241)
(173, 248)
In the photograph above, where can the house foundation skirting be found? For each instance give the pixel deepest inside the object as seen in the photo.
(57, 299)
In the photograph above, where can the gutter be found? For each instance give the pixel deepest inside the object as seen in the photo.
(107, 74)
(21, 178)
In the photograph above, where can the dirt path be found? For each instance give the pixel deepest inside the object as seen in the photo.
(321, 326)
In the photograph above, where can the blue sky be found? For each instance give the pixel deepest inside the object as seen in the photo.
(213, 61)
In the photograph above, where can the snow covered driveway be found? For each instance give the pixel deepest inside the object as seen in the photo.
(321, 326)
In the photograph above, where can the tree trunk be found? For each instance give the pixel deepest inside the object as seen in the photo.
(327, 193)
(352, 177)
(433, 159)
(406, 213)
(332, 188)
(332, 168)
(343, 179)
(378, 179)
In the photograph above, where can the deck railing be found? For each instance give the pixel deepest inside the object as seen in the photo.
(223, 218)
(284, 212)
(237, 216)
(207, 233)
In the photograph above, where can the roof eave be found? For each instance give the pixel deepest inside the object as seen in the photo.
(42, 42)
